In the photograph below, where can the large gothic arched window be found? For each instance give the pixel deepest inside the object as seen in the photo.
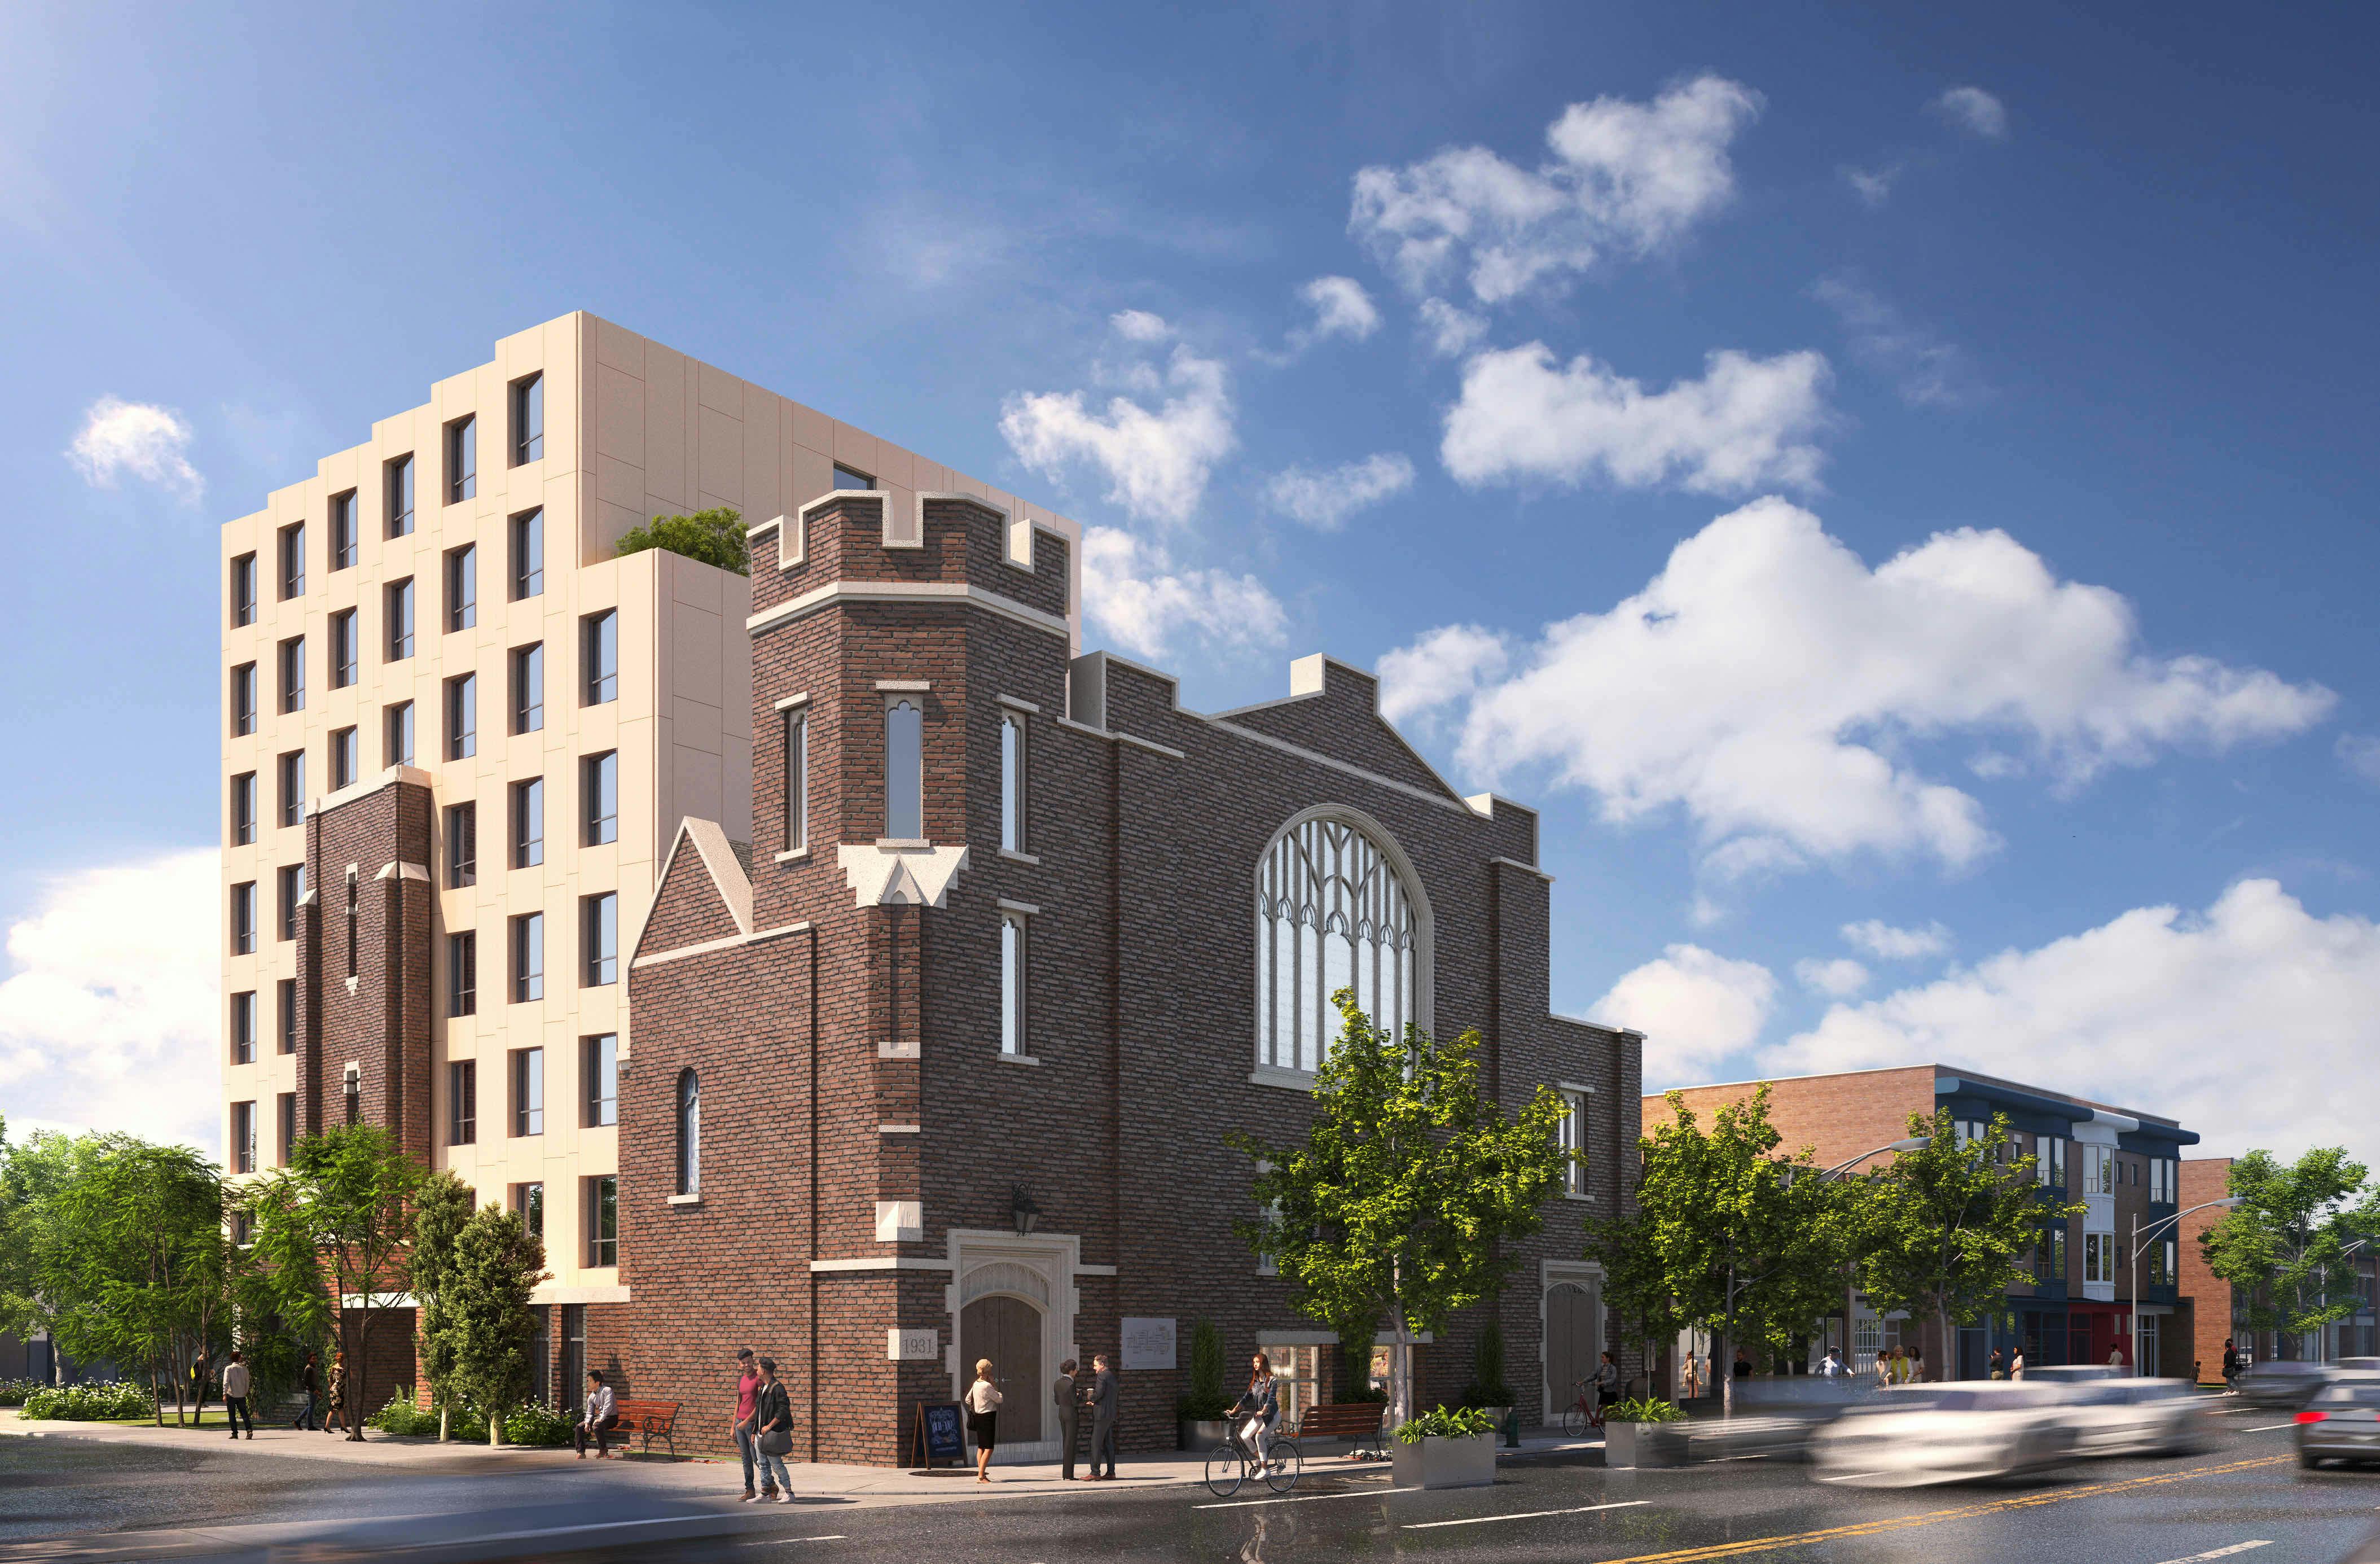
(1334, 910)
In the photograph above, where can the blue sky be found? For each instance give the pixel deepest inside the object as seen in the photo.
(2001, 380)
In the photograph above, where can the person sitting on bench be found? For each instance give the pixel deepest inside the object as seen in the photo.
(603, 1415)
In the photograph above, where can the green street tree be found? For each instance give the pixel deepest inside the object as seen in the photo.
(336, 1224)
(1746, 1243)
(441, 1208)
(715, 537)
(1636, 1286)
(1944, 1230)
(2284, 1247)
(485, 1326)
(1408, 1184)
(32, 1172)
(134, 1262)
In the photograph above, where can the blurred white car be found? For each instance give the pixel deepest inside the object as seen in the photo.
(2122, 1417)
(1965, 1431)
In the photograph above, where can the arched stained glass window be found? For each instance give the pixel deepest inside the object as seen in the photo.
(1333, 911)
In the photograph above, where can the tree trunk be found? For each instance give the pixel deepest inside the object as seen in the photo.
(445, 1414)
(495, 1428)
(1723, 1353)
(1401, 1398)
(356, 1401)
(1949, 1348)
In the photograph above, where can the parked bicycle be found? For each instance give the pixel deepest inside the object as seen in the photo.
(1584, 1415)
(1232, 1463)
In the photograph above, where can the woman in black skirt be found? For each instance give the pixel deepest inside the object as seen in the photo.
(983, 1417)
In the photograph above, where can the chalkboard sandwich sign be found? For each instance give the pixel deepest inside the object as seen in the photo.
(938, 1433)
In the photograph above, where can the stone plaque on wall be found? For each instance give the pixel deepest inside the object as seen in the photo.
(1147, 1344)
(906, 1346)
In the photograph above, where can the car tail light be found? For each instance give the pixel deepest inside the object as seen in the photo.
(2312, 1416)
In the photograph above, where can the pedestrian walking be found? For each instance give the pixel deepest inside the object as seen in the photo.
(1103, 1419)
(772, 1419)
(747, 1404)
(1744, 1362)
(2114, 1360)
(1693, 1388)
(1069, 1402)
(2016, 1365)
(309, 1380)
(234, 1388)
(337, 1405)
(982, 1400)
(2230, 1367)
(1996, 1371)
(1833, 1367)
(601, 1416)
(1916, 1365)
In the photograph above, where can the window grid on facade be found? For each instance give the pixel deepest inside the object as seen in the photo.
(904, 769)
(528, 957)
(462, 716)
(600, 939)
(343, 648)
(462, 845)
(528, 823)
(462, 1103)
(604, 1221)
(1014, 957)
(285, 1139)
(462, 460)
(599, 795)
(529, 688)
(797, 780)
(851, 478)
(396, 611)
(398, 746)
(1012, 781)
(400, 496)
(690, 1134)
(343, 531)
(528, 420)
(462, 973)
(599, 657)
(527, 555)
(243, 591)
(293, 896)
(285, 1001)
(1573, 1141)
(599, 1074)
(346, 757)
(243, 809)
(290, 544)
(1332, 913)
(243, 1137)
(528, 1199)
(291, 770)
(243, 700)
(243, 918)
(243, 1027)
(529, 1091)
(355, 922)
(292, 675)
(462, 587)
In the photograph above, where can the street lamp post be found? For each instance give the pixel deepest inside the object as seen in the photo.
(2226, 1203)
(1907, 1143)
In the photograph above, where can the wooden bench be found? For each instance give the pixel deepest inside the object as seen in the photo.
(1358, 1421)
(649, 1420)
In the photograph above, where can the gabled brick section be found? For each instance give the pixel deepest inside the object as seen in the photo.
(1340, 717)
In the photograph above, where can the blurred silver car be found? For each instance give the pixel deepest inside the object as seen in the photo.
(1965, 1431)
(2284, 1384)
(2122, 1417)
(2342, 1422)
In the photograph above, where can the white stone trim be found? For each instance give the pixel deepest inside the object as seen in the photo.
(1016, 857)
(685, 1199)
(322, 804)
(1523, 868)
(1022, 705)
(1053, 1259)
(581, 1292)
(726, 876)
(1333, 764)
(900, 1221)
(899, 1051)
(1282, 1077)
(902, 874)
(880, 1263)
(1573, 1086)
(1017, 1058)
(793, 855)
(1013, 527)
(957, 593)
(1082, 1269)
(918, 685)
(898, 1129)
(727, 943)
(1024, 907)
(797, 527)
(404, 872)
(790, 701)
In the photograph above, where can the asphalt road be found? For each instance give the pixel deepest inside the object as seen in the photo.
(2246, 1498)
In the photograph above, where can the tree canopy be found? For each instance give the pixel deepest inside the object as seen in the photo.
(2285, 1245)
(715, 537)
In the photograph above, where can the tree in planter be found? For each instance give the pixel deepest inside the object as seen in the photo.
(335, 1224)
(1488, 1387)
(1408, 1185)
(1943, 1231)
(715, 537)
(441, 1208)
(2285, 1246)
(1205, 1401)
(1744, 1242)
(485, 1324)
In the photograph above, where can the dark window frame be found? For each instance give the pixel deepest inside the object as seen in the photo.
(398, 494)
(526, 405)
(345, 520)
(462, 444)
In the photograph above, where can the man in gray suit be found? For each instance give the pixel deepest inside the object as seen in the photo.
(1103, 1419)
(1069, 1402)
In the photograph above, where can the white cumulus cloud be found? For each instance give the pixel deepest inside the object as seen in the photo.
(1695, 1008)
(1134, 591)
(1341, 308)
(1873, 186)
(1771, 685)
(1973, 110)
(150, 442)
(1838, 978)
(1746, 423)
(1623, 177)
(110, 1017)
(2254, 1023)
(1324, 500)
(1156, 459)
(1450, 331)
(1446, 665)
(1886, 942)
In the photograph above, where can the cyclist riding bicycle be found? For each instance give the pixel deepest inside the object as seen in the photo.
(1259, 1406)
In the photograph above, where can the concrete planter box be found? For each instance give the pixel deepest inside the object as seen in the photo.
(1644, 1443)
(1445, 1464)
(1199, 1437)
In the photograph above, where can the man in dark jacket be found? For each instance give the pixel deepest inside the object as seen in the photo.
(1069, 1402)
(1103, 1419)
(2230, 1365)
(309, 1379)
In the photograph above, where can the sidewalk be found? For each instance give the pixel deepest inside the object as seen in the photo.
(694, 1476)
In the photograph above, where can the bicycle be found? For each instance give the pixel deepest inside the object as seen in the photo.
(1232, 1463)
(1584, 1414)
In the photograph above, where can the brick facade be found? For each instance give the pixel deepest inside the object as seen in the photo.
(849, 1055)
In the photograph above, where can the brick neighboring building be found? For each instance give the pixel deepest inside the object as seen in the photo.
(2222, 1310)
(2120, 1164)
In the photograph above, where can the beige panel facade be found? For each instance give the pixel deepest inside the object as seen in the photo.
(630, 430)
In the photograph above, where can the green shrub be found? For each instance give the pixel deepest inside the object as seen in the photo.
(13, 1391)
(537, 1423)
(1649, 1408)
(1488, 1387)
(401, 1417)
(89, 1403)
(1205, 1402)
(715, 537)
(1439, 1423)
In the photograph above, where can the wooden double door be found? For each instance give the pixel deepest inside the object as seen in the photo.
(1572, 1343)
(1008, 1330)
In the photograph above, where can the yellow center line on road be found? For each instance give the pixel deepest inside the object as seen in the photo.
(1934, 1517)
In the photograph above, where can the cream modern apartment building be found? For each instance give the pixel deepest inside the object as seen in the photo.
(459, 735)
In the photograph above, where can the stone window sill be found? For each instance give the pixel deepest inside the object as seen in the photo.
(795, 856)
(1015, 857)
(685, 1199)
(1285, 1079)
(1017, 1058)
